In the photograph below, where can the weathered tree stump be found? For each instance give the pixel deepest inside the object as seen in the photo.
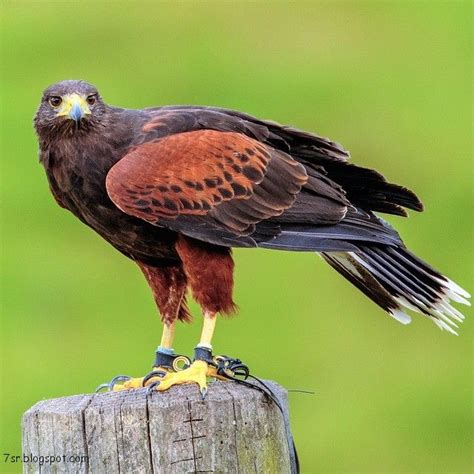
(236, 429)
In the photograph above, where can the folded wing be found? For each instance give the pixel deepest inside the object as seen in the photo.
(207, 184)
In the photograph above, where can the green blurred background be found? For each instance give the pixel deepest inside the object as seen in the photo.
(391, 81)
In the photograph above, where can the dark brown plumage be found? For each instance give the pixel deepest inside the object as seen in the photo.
(175, 188)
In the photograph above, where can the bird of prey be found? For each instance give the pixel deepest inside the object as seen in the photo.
(175, 188)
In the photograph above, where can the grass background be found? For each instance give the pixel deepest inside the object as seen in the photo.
(390, 80)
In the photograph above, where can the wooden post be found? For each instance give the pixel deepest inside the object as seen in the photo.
(236, 429)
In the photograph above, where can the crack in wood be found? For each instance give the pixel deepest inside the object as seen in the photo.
(192, 433)
(235, 426)
(160, 433)
(185, 460)
(121, 432)
(84, 434)
(148, 431)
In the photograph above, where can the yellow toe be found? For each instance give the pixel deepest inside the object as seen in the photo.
(196, 373)
(138, 382)
(129, 384)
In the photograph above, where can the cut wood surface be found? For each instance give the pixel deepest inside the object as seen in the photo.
(236, 429)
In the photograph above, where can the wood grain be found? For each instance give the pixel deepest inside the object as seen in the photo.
(234, 430)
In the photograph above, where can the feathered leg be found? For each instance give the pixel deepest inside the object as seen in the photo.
(209, 271)
(168, 285)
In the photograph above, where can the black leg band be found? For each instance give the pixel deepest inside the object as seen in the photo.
(164, 360)
(203, 353)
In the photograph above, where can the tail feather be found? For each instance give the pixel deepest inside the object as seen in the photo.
(369, 190)
(397, 280)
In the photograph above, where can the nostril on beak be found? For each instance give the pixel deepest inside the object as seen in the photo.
(76, 112)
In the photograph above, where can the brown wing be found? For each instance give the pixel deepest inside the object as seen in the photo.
(229, 180)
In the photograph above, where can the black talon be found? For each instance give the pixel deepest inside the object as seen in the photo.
(110, 385)
(231, 368)
(150, 387)
(118, 378)
(240, 370)
(226, 366)
(102, 386)
(154, 373)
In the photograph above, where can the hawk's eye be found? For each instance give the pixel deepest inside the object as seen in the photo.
(91, 99)
(55, 101)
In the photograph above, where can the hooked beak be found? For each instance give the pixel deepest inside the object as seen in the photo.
(74, 107)
(76, 112)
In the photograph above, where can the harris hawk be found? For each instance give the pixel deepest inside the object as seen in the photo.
(176, 188)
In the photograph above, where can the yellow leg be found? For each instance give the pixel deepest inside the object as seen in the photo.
(167, 337)
(166, 345)
(197, 372)
(208, 327)
(199, 369)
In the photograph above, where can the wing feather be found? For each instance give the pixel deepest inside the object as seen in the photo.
(230, 180)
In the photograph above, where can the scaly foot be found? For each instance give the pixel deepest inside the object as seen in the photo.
(139, 382)
(164, 364)
(197, 373)
(205, 366)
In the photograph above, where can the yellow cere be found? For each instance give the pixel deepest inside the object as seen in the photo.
(68, 102)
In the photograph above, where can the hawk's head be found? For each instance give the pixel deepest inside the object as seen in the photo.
(69, 107)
